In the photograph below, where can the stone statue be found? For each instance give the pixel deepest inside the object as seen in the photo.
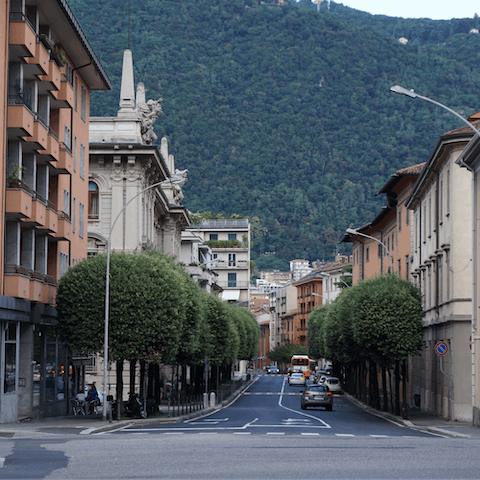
(177, 185)
(149, 112)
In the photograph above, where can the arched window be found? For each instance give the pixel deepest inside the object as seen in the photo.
(93, 200)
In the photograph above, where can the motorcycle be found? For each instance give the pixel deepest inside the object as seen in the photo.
(135, 406)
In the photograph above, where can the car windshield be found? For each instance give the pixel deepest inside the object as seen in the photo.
(333, 381)
(297, 375)
(317, 388)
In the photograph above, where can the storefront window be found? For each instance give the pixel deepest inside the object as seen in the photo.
(37, 367)
(50, 370)
(10, 357)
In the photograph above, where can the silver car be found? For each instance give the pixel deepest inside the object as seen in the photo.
(333, 384)
(297, 379)
(316, 396)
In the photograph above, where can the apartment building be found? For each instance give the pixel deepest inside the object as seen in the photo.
(283, 301)
(383, 245)
(47, 77)
(308, 297)
(441, 253)
(230, 242)
(470, 159)
(299, 268)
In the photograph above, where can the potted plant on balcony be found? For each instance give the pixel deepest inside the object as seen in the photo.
(14, 178)
(58, 55)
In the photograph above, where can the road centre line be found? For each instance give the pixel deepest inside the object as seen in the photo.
(317, 419)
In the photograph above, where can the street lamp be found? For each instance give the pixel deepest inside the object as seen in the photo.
(107, 288)
(318, 295)
(410, 93)
(351, 231)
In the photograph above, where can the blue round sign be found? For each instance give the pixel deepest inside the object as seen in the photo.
(441, 348)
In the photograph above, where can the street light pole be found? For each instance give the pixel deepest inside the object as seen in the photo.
(351, 231)
(107, 290)
(410, 93)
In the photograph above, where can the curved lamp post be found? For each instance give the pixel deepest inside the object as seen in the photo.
(351, 231)
(410, 93)
(107, 288)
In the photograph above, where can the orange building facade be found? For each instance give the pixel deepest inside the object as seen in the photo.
(49, 71)
(389, 249)
(309, 296)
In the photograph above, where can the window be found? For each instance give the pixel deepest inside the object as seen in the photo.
(63, 264)
(76, 93)
(400, 219)
(83, 112)
(75, 153)
(66, 202)
(11, 334)
(81, 220)
(232, 236)
(67, 138)
(214, 236)
(367, 254)
(82, 160)
(232, 259)
(92, 200)
(232, 279)
(379, 251)
(74, 214)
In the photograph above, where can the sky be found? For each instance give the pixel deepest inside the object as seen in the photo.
(434, 9)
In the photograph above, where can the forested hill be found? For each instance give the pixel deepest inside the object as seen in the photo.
(282, 113)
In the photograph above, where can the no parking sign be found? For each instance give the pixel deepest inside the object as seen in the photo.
(441, 348)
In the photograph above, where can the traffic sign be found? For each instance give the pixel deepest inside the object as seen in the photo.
(441, 348)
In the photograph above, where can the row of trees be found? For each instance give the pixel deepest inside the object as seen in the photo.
(368, 331)
(158, 315)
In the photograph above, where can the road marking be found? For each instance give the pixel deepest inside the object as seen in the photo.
(275, 433)
(311, 434)
(344, 435)
(378, 436)
(242, 433)
(317, 419)
(2, 462)
(174, 433)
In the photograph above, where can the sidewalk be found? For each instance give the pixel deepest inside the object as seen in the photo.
(91, 424)
(425, 421)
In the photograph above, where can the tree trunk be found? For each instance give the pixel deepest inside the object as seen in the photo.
(133, 367)
(384, 388)
(397, 389)
(119, 389)
(142, 378)
(375, 389)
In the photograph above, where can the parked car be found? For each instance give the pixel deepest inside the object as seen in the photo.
(317, 396)
(333, 384)
(273, 369)
(297, 379)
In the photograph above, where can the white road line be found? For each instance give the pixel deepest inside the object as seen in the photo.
(174, 433)
(325, 425)
(311, 434)
(378, 436)
(242, 433)
(344, 435)
(275, 433)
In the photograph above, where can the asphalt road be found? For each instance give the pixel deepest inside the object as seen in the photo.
(272, 407)
(262, 435)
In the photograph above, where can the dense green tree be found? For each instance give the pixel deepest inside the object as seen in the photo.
(283, 353)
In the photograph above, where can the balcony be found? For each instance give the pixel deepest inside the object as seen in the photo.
(65, 161)
(51, 218)
(53, 147)
(64, 231)
(49, 291)
(39, 61)
(40, 135)
(39, 212)
(65, 96)
(21, 121)
(53, 77)
(37, 287)
(22, 39)
(17, 282)
(18, 201)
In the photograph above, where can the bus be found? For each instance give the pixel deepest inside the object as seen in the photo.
(300, 364)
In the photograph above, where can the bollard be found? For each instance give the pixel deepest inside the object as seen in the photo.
(205, 400)
(212, 399)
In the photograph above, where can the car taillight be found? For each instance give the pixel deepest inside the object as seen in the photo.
(307, 393)
(329, 394)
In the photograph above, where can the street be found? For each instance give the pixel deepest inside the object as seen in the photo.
(263, 435)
